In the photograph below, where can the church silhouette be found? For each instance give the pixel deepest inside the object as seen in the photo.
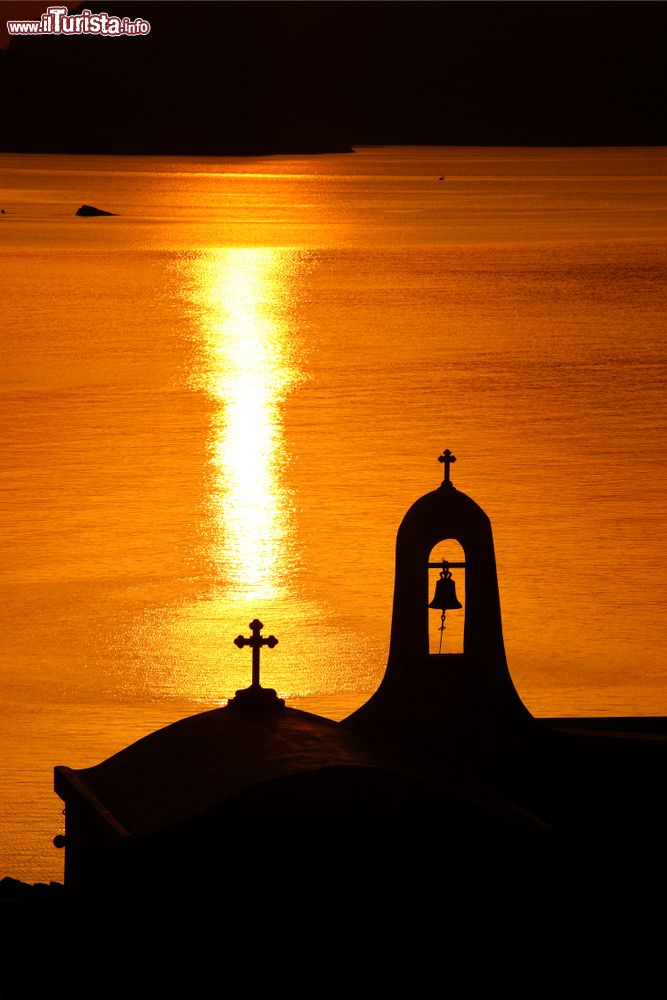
(440, 841)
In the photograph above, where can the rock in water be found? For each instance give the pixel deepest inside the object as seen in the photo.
(91, 210)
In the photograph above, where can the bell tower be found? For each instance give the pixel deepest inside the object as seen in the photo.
(441, 695)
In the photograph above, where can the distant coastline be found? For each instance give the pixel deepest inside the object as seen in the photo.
(235, 79)
(86, 149)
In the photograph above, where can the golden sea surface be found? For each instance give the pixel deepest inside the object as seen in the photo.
(219, 403)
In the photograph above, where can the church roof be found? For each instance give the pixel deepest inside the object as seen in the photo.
(193, 765)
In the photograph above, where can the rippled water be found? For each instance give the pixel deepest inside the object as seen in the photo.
(219, 404)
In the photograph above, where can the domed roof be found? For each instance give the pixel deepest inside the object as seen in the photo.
(187, 768)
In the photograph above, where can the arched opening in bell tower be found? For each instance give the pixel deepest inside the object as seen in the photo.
(446, 588)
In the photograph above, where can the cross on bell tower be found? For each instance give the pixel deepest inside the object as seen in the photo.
(447, 459)
(255, 694)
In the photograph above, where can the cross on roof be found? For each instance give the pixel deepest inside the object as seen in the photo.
(447, 458)
(255, 642)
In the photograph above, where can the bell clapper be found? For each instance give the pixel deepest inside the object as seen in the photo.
(441, 630)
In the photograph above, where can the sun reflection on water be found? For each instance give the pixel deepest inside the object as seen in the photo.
(248, 357)
(251, 369)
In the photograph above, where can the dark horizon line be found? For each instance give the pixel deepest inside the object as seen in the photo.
(342, 151)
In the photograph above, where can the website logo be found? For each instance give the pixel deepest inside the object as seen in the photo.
(58, 21)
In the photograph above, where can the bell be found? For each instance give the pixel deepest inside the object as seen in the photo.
(445, 593)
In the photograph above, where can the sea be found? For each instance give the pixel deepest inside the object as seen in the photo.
(219, 402)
